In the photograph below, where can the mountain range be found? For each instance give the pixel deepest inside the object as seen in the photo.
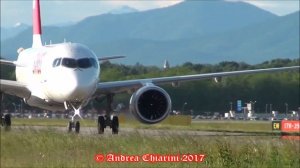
(7, 33)
(194, 31)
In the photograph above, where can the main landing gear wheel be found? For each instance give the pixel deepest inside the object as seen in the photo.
(103, 122)
(108, 120)
(115, 125)
(6, 121)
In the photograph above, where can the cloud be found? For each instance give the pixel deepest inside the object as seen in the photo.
(277, 7)
(144, 5)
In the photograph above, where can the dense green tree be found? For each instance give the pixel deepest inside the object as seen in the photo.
(206, 95)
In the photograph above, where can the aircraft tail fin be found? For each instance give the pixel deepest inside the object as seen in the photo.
(36, 24)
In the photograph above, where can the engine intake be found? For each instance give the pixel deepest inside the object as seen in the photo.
(150, 104)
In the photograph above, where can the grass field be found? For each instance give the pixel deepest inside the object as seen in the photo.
(49, 148)
(201, 125)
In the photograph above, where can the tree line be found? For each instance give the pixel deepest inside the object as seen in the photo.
(279, 89)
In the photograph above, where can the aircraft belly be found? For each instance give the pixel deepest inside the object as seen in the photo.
(43, 104)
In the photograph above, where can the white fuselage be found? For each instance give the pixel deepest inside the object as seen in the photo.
(60, 73)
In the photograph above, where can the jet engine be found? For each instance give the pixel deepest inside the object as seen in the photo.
(150, 104)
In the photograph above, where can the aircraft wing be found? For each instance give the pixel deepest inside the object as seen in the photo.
(10, 63)
(110, 58)
(14, 88)
(132, 85)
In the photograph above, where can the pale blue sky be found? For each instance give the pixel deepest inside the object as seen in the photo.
(55, 11)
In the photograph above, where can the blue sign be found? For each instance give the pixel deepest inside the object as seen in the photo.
(239, 105)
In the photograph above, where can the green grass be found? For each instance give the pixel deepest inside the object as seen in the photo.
(204, 125)
(25, 147)
(49, 122)
(48, 148)
(233, 126)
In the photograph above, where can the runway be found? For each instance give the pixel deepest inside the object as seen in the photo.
(92, 131)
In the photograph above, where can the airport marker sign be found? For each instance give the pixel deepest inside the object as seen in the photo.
(239, 105)
(286, 126)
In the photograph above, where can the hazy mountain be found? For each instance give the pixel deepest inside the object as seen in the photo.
(199, 31)
(64, 24)
(183, 20)
(275, 38)
(12, 31)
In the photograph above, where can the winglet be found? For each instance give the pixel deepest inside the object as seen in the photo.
(37, 28)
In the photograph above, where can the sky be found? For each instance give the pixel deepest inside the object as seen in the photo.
(66, 11)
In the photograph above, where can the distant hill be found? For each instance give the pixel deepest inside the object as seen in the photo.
(196, 31)
(10, 32)
(276, 38)
(184, 20)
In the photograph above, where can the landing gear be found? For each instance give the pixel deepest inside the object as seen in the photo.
(108, 119)
(6, 121)
(101, 124)
(4, 118)
(115, 125)
(72, 124)
(75, 125)
(104, 122)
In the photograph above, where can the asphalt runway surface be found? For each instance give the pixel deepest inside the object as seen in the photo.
(92, 131)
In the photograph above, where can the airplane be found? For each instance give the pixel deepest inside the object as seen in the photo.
(65, 76)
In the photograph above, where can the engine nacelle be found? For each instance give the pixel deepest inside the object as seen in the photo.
(150, 104)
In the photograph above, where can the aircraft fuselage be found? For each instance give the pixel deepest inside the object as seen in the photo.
(66, 72)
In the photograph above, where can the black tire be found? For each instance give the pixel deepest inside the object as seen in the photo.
(70, 126)
(77, 126)
(2, 120)
(101, 124)
(115, 125)
(7, 120)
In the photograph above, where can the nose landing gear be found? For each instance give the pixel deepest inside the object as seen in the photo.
(75, 124)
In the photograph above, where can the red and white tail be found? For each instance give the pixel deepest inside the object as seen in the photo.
(37, 28)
